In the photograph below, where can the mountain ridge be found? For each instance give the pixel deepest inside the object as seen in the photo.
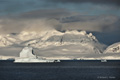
(54, 38)
(114, 48)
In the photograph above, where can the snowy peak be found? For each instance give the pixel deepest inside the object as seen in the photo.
(4, 41)
(82, 33)
(114, 48)
(68, 38)
(75, 32)
(86, 43)
(28, 35)
(72, 36)
(49, 38)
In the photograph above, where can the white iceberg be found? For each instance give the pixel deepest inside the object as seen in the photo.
(27, 55)
(27, 52)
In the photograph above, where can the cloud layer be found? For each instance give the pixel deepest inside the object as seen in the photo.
(113, 2)
(97, 16)
(59, 19)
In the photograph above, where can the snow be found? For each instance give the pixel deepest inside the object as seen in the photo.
(4, 41)
(23, 36)
(114, 48)
(90, 35)
(57, 45)
(46, 38)
(67, 38)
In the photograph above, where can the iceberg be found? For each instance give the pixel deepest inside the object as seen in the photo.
(27, 52)
(27, 55)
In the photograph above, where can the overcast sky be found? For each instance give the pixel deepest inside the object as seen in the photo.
(102, 17)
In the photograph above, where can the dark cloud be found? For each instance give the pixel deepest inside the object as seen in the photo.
(102, 23)
(78, 18)
(62, 19)
(26, 7)
(105, 27)
(12, 7)
(47, 13)
(36, 20)
(114, 2)
(13, 25)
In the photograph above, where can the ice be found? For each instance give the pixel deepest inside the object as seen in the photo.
(27, 55)
(27, 52)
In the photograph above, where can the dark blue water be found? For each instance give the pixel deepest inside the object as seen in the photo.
(65, 70)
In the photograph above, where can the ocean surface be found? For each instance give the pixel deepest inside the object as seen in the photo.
(64, 70)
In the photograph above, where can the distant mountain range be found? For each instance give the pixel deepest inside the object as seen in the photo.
(85, 43)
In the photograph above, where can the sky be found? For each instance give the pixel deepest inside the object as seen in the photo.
(101, 17)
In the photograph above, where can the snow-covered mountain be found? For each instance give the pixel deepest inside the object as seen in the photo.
(6, 41)
(114, 48)
(86, 43)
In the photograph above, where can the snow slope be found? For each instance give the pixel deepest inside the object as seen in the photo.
(53, 44)
(86, 43)
(4, 41)
(114, 48)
